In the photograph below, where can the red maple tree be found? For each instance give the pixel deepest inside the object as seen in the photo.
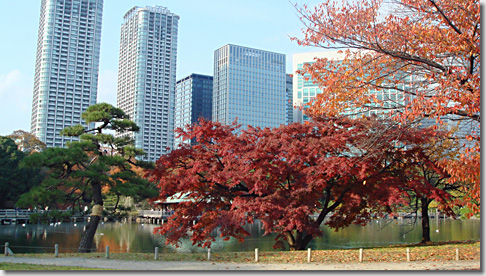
(291, 178)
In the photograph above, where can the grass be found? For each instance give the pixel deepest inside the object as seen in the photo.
(434, 251)
(12, 266)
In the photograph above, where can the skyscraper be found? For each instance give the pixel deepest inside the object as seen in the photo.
(193, 100)
(306, 90)
(290, 98)
(249, 84)
(66, 69)
(147, 76)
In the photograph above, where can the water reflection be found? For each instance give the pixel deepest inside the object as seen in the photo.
(133, 237)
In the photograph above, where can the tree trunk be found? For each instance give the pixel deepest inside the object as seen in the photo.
(300, 240)
(86, 243)
(305, 242)
(294, 239)
(425, 220)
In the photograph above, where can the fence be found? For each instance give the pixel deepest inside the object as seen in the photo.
(399, 254)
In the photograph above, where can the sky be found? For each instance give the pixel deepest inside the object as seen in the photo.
(204, 26)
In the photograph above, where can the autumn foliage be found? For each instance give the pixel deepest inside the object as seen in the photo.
(426, 53)
(291, 178)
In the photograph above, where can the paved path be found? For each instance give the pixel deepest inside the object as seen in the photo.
(162, 265)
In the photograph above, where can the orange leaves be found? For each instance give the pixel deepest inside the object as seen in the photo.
(422, 40)
(428, 52)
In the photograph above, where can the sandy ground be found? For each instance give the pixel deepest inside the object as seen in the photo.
(208, 266)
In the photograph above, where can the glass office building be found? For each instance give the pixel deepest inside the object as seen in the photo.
(147, 77)
(290, 97)
(193, 100)
(66, 68)
(249, 84)
(304, 91)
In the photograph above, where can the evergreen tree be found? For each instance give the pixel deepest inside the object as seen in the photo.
(97, 164)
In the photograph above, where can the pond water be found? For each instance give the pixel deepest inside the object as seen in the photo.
(136, 237)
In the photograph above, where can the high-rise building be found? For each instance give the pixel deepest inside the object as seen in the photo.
(66, 69)
(249, 84)
(306, 90)
(290, 98)
(193, 100)
(147, 77)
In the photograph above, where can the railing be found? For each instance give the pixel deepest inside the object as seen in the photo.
(154, 214)
(15, 213)
(8, 214)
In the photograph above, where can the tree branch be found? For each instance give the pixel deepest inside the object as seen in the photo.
(449, 22)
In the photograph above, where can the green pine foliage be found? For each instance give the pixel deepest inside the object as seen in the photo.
(97, 158)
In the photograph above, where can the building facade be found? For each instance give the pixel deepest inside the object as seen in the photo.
(304, 91)
(66, 68)
(147, 77)
(193, 100)
(290, 98)
(249, 85)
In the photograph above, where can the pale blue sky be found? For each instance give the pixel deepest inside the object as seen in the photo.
(204, 26)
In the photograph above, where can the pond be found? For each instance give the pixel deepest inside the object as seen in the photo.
(136, 237)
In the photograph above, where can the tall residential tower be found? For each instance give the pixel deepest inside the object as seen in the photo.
(249, 84)
(66, 69)
(147, 76)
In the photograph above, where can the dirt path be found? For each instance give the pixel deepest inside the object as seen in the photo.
(161, 265)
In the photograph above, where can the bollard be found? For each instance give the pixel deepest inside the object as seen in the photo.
(361, 255)
(408, 254)
(257, 259)
(309, 255)
(6, 248)
(457, 254)
(56, 250)
(156, 253)
(107, 252)
(209, 254)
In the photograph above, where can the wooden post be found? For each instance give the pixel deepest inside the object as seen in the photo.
(361, 255)
(209, 254)
(156, 253)
(257, 259)
(56, 250)
(408, 254)
(107, 252)
(309, 255)
(457, 254)
(6, 248)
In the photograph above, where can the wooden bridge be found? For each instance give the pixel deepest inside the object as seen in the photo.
(16, 216)
(9, 216)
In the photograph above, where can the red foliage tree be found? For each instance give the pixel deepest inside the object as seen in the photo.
(291, 178)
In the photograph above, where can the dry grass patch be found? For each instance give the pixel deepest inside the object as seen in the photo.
(469, 250)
